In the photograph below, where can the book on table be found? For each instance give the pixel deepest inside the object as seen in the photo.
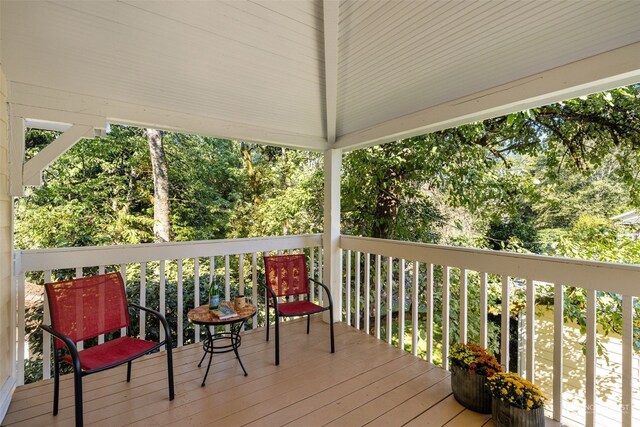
(224, 312)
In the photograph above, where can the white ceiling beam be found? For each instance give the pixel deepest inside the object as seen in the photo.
(330, 9)
(618, 67)
(54, 105)
(46, 125)
(32, 171)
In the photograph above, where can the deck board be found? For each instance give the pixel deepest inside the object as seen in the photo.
(365, 382)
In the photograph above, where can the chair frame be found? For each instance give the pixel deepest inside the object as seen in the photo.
(79, 373)
(271, 301)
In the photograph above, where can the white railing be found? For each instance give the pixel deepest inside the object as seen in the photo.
(163, 264)
(432, 270)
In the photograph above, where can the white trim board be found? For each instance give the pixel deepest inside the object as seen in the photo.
(618, 67)
(6, 393)
(37, 102)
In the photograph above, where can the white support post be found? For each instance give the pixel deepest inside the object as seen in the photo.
(331, 18)
(32, 171)
(331, 237)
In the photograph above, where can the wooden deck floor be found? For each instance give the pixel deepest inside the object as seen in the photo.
(365, 382)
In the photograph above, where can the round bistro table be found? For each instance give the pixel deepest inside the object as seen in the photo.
(221, 342)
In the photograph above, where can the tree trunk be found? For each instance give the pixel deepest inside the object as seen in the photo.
(161, 225)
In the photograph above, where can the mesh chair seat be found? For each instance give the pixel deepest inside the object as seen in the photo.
(299, 308)
(112, 352)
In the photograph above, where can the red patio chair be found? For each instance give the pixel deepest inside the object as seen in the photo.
(85, 308)
(286, 276)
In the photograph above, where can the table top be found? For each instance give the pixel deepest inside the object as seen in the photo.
(203, 316)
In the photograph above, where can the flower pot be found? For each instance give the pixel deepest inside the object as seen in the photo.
(470, 390)
(505, 415)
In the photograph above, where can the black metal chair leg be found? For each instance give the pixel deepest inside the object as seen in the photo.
(56, 384)
(129, 371)
(308, 322)
(77, 385)
(170, 372)
(267, 314)
(277, 339)
(333, 348)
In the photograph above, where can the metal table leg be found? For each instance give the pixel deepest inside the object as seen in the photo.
(233, 341)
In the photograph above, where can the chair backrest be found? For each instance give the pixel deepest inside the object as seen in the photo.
(287, 274)
(87, 307)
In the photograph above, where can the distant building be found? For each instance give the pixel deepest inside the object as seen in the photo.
(631, 222)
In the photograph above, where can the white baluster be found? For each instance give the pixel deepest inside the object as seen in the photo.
(357, 306)
(254, 287)
(367, 292)
(123, 273)
(227, 285)
(101, 312)
(401, 305)
(590, 410)
(389, 299)
(241, 274)
(627, 361)
(143, 299)
(348, 290)
(558, 329)
(446, 290)
(196, 294)
(79, 274)
(464, 284)
(46, 336)
(531, 329)
(504, 334)
(429, 329)
(163, 298)
(312, 290)
(414, 308)
(377, 295)
(180, 305)
(483, 309)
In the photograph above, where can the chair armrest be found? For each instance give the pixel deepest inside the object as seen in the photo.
(273, 296)
(325, 288)
(163, 320)
(73, 350)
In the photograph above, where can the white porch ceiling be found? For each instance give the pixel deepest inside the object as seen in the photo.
(256, 70)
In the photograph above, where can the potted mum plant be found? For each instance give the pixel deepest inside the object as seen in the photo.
(516, 401)
(471, 365)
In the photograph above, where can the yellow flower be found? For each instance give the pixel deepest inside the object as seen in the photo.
(504, 391)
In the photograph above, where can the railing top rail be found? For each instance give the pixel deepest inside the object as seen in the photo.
(604, 276)
(51, 259)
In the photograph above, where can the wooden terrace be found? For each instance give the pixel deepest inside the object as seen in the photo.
(366, 382)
